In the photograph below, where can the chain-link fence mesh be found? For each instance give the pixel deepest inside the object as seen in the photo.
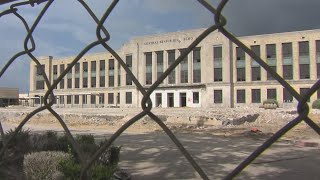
(102, 39)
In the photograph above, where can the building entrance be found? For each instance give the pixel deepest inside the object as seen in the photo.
(183, 99)
(170, 100)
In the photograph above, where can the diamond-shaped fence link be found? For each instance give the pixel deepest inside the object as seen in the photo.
(102, 39)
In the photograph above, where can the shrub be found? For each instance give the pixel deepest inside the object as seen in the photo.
(45, 142)
(100, 172)
(271, 101)
(70, 169)
(43, 165)
(316, 104)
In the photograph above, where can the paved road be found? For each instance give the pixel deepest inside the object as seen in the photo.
(154, 156)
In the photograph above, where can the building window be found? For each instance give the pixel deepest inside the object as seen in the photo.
(111, 72)
(84, 99)
(287, 61)
(271, 59)
(85, 75)
(128, 97)
(196, 98)
(255, 67)
(102, 82)
(158, 99)
(217, 63)
(118, 98)
(256, 95)
(110, 98)
(69, 99)
(170, 99)
(241, 96)
(61, 99)
(39, 77)
(304, 60)
(159, 63)
(304, 91)
(148, 56)
(129, 65)
(287, 97)
(76, 99)
(101, 98)
(217, 96)
(93, 73)
(241, 64)
(55, 73)
(318, 58)
(183, 68)
(196, 65)
(93, 99)
(171, 59)
(69, 78)
(272, 94)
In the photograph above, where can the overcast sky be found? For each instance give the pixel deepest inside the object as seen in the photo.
(67, 28)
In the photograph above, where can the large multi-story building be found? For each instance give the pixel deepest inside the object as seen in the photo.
(215, 73)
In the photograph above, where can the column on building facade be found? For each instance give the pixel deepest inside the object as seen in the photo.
(98, 73)
(190, 63)
(177, 79)
(248, 67)
(279, 70)
(313, 60)
(263, 52)
(165, 65)
(32, 79)
(154, 66)
(295, 59)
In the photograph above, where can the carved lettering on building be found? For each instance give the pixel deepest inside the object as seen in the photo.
(164, 41)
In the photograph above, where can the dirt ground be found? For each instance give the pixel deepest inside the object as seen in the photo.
(221, 122)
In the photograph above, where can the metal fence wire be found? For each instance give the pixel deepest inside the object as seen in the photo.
(103, 37)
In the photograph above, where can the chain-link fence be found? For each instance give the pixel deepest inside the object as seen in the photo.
(102, 39)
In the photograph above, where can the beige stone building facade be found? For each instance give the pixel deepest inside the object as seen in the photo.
(215, 73)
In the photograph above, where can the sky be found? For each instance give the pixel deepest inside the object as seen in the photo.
(67, 28)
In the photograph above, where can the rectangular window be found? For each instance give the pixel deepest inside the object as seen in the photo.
(256, 95)
(129, 64)
(61, 99)
(241, 74)
(171, 59)
(158, 99)
(159, 63)
(304, 60)
(93, 99)
(271, 59)
(128, 97)
(241, 64)
(93, 73)
(84, 99)
(303, 92)
(118, 98)
(287, 97)
(101, 98)
(304, 71)
(39, 77)
(196, 98)
(76, 83)
(148, 56)
(55, 73)
(217, 95)
(76, 99)
(85, 75)
(272, 94)
(217, 61)
(69, 99)
(287, 61)
(110, 98)
(196, 65)
(69, 78)
(111, 72)
(255, 73)
(183, 68)
(102, 82)
(255, 67)
(241, 96)
(170, 99)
